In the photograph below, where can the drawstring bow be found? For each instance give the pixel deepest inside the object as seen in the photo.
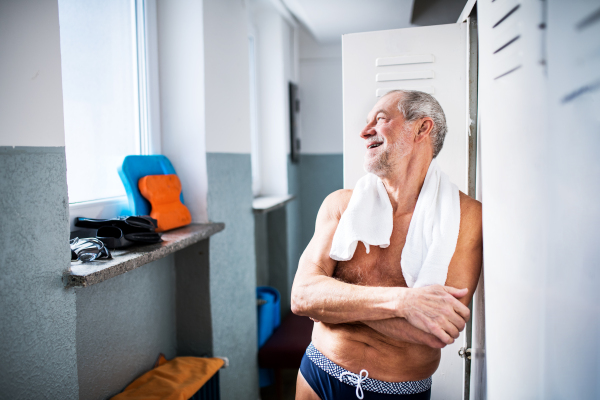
(356, 379)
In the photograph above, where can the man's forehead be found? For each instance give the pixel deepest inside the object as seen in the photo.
(387, 104)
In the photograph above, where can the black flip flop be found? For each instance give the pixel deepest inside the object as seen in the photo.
(134, 224)
(144, 237)
(112, 237)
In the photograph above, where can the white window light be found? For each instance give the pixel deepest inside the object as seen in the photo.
(107, 97)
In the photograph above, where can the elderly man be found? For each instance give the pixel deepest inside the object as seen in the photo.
(376, 335)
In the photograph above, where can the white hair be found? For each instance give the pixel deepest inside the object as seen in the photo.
(415, 105)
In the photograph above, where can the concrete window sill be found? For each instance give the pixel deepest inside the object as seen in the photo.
(125, 260)
(263, 204)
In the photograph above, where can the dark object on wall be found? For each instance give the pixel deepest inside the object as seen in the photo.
(294, 110)
(436, 12)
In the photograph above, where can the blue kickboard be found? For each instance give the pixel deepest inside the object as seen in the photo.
(136, 167)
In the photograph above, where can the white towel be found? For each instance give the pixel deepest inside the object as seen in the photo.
(432, 234)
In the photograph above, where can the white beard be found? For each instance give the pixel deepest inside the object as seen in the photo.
(383, 161)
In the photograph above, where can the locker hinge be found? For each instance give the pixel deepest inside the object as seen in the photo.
(464, 353)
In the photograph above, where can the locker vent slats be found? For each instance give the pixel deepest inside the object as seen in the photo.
(403, 60)
(511, 41)
(591, 19)
(584, 53)
(508, 72)
(508, 14)
(405, 76)
(507, 33)
(581, 91)
(401, 69)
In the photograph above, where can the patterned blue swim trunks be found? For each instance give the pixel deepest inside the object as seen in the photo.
(330, 381)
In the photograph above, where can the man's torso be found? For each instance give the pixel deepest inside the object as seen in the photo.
(356, 346)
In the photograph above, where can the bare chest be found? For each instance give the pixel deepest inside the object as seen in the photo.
(381, 267)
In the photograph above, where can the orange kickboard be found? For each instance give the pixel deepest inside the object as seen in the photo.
(162, 191)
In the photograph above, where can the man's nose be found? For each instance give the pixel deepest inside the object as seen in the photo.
(368, 131)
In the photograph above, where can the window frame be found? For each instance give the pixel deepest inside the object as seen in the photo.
(148, 110)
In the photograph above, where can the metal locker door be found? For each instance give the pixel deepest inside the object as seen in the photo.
(573, 38)
(514, 169)
(432, 59)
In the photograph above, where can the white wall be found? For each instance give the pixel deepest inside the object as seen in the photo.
(227, 77)
(275, 45)
(31, 107)
(320, 87)
(182, 97)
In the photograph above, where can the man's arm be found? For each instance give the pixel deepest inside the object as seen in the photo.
(434, 309)
(463, 271)
(400, 329)
(317, 295)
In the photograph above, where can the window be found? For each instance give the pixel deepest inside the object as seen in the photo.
(105, 94)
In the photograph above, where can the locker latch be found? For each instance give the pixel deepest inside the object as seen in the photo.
(464, 353)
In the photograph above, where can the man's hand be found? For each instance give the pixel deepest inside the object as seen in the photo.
(435, 310)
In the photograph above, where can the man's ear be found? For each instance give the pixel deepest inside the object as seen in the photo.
(424, 127)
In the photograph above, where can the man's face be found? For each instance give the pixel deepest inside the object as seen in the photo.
(386, 135)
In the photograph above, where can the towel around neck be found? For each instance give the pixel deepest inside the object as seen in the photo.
(432, 233)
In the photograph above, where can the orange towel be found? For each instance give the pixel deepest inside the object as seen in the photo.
(178, 379)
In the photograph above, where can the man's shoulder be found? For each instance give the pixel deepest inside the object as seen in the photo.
(469, 206)
(336, 203)
(470, 217)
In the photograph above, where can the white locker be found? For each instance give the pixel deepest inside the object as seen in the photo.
(572, 309)
(431, 59)
(514, 174)
(540, 143)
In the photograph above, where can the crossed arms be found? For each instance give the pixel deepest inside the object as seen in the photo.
(433, 315)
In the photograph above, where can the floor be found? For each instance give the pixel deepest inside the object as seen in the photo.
(289, 387)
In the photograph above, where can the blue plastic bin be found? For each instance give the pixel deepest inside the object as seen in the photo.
(268, 314)
(269, 318)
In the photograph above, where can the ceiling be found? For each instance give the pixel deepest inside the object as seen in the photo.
(328, 20)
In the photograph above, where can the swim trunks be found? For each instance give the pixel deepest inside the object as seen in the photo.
(332, 382)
